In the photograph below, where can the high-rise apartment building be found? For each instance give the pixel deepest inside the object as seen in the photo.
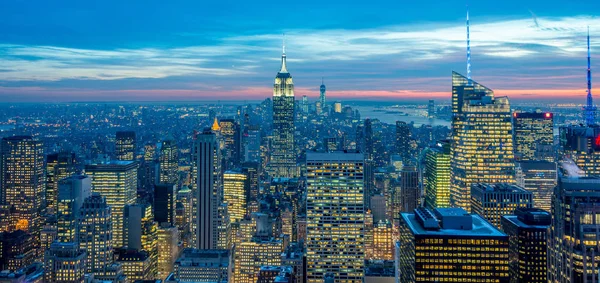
(125, 145)
(437, 175)
(534, 136)
(117, 182)
(72, 192)
(492, 201)
(168, 161)
(482, 140)
(234, 194)
(95, 234)
(574, 242)
(283, 155)
(527, 232)
(450, 245)
(335, 210)
(206, 190)
(22, 182)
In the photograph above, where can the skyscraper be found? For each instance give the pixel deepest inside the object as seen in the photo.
(204, 266)
(168, 161)
(117, 182)
(304, 104)
(540, 178)
(165, 196)
(234, 194)
(534, 137)
(72, 192)
(22, 182)
(232, 139)
(410, 194)
(335, 210)
(206, 183)
(492, 201)
(65, 263)
(437, 176)
(402, 141)
(283, 155)
(527, 232)
(168, 237)
(322, 94)
(141, 233)
(58, 166)
(431, 109)
(430, 241)
(95, 234)
(574, 244)
(482, 141)
(125, 145)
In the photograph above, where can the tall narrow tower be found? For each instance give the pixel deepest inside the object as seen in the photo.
(468, 48)
(589, 109)
(283, 156)
(322, 96)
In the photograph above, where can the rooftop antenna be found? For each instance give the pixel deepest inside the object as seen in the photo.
(468, 48)
(283, 57)
(590, 109)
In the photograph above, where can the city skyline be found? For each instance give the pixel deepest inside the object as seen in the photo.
(189, 53)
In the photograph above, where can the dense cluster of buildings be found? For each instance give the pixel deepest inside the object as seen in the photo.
(293, 192)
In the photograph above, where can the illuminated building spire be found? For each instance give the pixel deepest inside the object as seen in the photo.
(468, 48)
(590, 109)
(283, 58)
(215, 126)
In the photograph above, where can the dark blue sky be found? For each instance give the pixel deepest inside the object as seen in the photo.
(162, 50)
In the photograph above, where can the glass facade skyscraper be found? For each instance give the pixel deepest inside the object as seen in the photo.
(437, 175)
(534, 137)
(482, 140)
(335, 216)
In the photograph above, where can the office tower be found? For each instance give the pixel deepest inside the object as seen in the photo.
(333, 144)
(48, 235)
(113, 273)
(168, 237)
(253, 141)
(304, 104)
(437, 175)
(16, 250)
(72, 192)
(492, 201)
(206, 183)
(337, 107)
(251, 170)
(141, 233)
(430, 239)
(323, 94)
(203, 266)
(125, 145)
(136, 265)
(534, 138)
(65, 263)
(527, 232)
(95, 233)
(168, 161)
(283, 155)
(58, 166)
(378, 208)
(234, 194)
(117, 182)
(22, 182)
(410, 194)
(574, 244)
(165, 196)
(318, 108)
(365, 139)
(402, 141)
(223, 227)
(232, 138)
(482, 143)
(368, 235)
(251, 255)
(383, 245)
(431, 109)
(335, 187)
(540, 178)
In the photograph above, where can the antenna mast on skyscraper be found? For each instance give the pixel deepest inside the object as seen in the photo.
(590, 109)
(468, 48)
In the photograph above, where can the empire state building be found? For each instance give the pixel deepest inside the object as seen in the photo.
(283, 155)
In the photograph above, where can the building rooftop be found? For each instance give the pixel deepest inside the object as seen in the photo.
(537, 165)
(479, 226)
(334, 156)
(498, 188)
